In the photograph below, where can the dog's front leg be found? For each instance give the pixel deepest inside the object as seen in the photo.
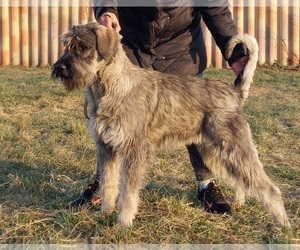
(108, 174)
(132, 179)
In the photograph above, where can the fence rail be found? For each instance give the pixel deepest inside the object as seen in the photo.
(29, 32)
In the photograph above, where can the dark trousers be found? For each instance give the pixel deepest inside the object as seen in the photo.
(202, 173)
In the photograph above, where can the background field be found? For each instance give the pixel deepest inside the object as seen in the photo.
(47, 158)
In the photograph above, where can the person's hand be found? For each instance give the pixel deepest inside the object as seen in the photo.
(110, 21)
(239, 65)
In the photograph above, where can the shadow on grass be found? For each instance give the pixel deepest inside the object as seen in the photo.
(155, 191)
(42, 185)
(37, 185)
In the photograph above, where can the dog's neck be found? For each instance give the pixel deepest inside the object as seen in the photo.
(113, 72)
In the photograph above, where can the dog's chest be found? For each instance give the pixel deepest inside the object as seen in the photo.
(105, 123)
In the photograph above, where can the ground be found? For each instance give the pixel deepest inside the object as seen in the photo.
(47, 158)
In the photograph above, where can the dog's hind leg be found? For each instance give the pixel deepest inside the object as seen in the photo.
(132, 179)
(239, 195)
(261, 187)
(270, 196)
(108, 172)
(230, 152)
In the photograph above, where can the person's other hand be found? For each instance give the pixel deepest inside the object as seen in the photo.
(110, 21)
(239, 65)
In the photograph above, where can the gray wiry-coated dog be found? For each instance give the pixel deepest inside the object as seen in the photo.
(134, 110)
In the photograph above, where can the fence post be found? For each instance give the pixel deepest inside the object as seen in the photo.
(284, 38)
(272, 26)
(24, 34)
(262, 31)
(295, 60)
(34, 33)
(5, 33)
(54, 42)
(44, 46)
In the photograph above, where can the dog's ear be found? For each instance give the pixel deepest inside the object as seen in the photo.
(66, 38)
(107, 41)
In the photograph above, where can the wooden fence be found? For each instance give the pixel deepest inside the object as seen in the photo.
(29, 33)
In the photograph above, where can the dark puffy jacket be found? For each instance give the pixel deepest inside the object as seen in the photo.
(170, 39)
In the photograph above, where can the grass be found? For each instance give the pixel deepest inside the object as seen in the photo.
(47, 158)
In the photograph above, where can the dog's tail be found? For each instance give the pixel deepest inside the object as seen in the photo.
(250, 46)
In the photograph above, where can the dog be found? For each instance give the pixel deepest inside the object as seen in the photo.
(132, 111)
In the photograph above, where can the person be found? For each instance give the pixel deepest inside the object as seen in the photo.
(170, 40)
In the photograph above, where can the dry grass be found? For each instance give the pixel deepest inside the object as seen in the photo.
(47, 158)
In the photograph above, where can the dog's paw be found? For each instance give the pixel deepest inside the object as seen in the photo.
(125, 221)
(239, 198)
(282, 223)
(237, 201)
(107, 208)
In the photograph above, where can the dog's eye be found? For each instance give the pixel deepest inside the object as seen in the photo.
(83, 46)
(78, 47)
(73, 46)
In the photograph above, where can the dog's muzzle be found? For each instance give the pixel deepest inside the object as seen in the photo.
(59, 70)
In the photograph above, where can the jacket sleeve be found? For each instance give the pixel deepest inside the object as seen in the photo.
(101, 6)
(222, 27)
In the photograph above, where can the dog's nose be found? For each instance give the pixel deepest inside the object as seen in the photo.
(60, 68)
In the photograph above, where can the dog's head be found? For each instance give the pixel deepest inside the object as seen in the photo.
(87, 49)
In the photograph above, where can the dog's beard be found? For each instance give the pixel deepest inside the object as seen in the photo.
(74, 79)
(77, 83)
